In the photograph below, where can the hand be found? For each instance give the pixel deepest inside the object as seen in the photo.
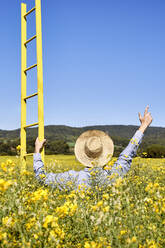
(39, 145)
(145, 120)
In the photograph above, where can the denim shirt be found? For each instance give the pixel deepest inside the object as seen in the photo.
(73, 179)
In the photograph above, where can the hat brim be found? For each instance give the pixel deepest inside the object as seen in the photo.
(107, 149)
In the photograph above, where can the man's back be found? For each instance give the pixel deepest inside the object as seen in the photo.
(89, 176)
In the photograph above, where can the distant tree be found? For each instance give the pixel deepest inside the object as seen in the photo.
(57, 147)
(6, 149)
(155, 151)
(117, 150)
(30, 144)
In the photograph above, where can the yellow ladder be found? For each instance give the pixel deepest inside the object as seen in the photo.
(24, 71)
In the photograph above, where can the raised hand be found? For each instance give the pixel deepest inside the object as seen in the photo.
(145, 120)
(39, 145)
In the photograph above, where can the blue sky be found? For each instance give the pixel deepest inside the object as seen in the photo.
(103, 61)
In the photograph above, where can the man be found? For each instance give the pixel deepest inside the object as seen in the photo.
(93, 149)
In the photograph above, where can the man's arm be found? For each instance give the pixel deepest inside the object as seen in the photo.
(123, 164)
(63, 180)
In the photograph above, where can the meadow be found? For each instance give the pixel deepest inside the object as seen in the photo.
(128, 213)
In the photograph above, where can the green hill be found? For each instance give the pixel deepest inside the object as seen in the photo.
(154, 135)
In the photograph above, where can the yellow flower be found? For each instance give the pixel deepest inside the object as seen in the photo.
(91, 244)
(62, 211)
(106, 196)
(4, 185)
(118, 182)
(48, 219)
(42, 176)
(133, 240)
(122, 232)
(30, 223)
(87, 245)
(100, 203)
(94, 208)
(18, 148)
(9, 162)
(152, 244)
(3, 166)
(40, 194)
(67, 209)
(56, 233)
(35, 236)
(106, 209)
(8, 221)
(73, 208)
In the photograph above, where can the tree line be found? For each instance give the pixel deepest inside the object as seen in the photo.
(61, 146)
(52, 147)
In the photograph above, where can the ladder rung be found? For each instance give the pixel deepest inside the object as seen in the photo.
(27, 97)
(28, 154)
(32, 38)
(30, 11)
(29, 68)
(31, 125)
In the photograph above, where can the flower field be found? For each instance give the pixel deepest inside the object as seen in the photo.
(129, 213)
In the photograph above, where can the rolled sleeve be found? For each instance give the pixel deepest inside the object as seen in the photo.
(123, 164)
(38, 167)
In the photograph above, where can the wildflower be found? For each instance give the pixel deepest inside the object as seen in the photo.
(67, 209)
(30, 223)
(39, 194)
(118, 182)
(8, 221)
(94, 208)
(56, 233)
(9, 162)
(106, 209)
(50, 219)
(92, 244)
(122, 232)
(4, 185)
(144, 154)
(36, 236)
(100, 203)
(106, 196)
(18, 148)
(133, 240)
(152, 244)
(3, 167)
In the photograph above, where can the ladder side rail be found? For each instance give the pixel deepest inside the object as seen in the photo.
(23, 84)
(39, 73)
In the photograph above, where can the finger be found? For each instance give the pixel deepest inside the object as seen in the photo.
(146, 110)
(151, 116)
(43, 142)
(140, 117)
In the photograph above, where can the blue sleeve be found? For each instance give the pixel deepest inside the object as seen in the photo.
(64, 180)
(123, 164)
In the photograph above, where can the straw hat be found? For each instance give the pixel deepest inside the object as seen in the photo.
(94, 148)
